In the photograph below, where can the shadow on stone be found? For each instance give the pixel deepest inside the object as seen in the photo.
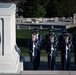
(44, 66)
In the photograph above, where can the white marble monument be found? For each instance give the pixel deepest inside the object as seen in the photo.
(56, 19)
(74, 18)
(9, 57)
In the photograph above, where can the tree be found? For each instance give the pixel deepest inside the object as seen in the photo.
(32, 8)
(47, 8)
(52, 8)
(61, 8)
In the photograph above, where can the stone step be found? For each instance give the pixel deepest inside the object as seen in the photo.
(48, 72)
(44, 72)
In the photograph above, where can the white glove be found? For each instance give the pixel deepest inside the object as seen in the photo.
(34, 46)
(50, 54)
(32, 53)
(66, 48)
(52, 48)
(66, 56)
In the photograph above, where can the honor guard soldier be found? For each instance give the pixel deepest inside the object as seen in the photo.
(52, 50)
(62, 46)
(47, 36)
(66, 51)
(51, 43)
(34, 49)
(39, 38)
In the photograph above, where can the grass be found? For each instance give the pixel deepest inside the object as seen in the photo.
(72, 30)
(27, 33)
(23, 36)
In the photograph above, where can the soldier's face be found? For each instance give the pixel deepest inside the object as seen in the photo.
(36, 35)
(66, 37)
(51, 37)
(33, 36)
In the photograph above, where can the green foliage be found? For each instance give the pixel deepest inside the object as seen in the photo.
(32, 8)
(45, 8)
(61, 8)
